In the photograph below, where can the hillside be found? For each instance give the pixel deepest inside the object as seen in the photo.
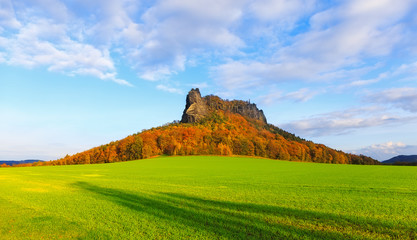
(402, 160)
(212, 126)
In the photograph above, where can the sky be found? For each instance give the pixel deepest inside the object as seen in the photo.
(78, 74)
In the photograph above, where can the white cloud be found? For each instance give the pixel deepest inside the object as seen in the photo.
(166, 37)
(175, 30)
(404, 98)
(360, 83)
(44, 43)
(301, 95)
(169, 89)
(287, 12)
(385, 151)
(51, 36)
(406, 71)
(341, 37)
(50, 9)
(236, 74)
(7, 16)
(363, 82)
(198, 11)
(113, 23)
(363, 28)
(342, 122)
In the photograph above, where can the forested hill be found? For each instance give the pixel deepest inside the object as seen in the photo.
(402, 160)
(212, 126)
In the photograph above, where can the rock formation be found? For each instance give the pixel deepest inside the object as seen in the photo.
(197, 107)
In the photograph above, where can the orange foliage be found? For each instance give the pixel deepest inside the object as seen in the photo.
(221, 133)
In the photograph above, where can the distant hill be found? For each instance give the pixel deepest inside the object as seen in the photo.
(402, 160)
(15, 162)
(213, 126)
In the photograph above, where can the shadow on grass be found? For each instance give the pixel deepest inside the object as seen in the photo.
(246, 220)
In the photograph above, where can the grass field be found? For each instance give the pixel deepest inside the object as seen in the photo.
(205, 197)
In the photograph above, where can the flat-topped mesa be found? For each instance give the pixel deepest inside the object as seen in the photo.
(197, 107)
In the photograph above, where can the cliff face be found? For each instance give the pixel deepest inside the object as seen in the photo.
(197, 107)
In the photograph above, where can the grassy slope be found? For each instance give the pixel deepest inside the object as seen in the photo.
(208, 197)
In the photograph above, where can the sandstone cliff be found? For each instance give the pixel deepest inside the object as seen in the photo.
(197, 107)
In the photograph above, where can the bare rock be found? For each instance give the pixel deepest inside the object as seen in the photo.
(195, 107)
(244, 108)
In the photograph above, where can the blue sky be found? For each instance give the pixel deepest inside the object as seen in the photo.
(78, 74)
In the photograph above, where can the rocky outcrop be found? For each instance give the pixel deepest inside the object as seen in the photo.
(244, 108)
(197, 107)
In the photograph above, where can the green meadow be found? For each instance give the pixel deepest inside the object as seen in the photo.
(208, 197)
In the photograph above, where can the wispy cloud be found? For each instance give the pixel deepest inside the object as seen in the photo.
(404, 98)
(284, 12)
(385, 151)
(340, 37)
(301, 95)
(246, 43)
(80, 37)
(169, 89)
(7, 16)
(406, 69)
(42, 42)
(176, 30)
(343, 122)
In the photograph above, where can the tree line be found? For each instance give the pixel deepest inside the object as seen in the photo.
(220, 133)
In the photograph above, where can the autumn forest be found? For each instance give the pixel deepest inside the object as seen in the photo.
(220, 133)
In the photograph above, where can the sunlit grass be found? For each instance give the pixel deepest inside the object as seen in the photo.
(203, 197)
